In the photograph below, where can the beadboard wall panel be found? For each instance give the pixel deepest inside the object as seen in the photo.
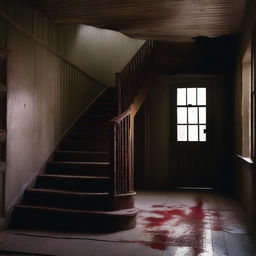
(45, 95)
(98, 52)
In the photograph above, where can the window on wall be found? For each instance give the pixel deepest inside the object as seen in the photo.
(191, 114)
(246, 103)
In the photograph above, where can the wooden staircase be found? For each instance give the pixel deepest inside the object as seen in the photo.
(74, 192)
(88, 183)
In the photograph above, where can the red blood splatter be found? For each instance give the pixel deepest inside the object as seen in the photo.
(162, 237)
(165, 217)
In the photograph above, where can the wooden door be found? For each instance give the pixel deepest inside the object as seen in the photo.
(192, 136)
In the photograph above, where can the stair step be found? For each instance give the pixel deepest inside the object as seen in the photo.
(74, 192)
(51, 218)
(102, 111)
(83, 156)
(107, 108)
(90, 126)
(79, 168)
(89, 136)
(101, 124)
(73, 183)
(102, 145)
(98, 116)
(89, 172)
(67, 199)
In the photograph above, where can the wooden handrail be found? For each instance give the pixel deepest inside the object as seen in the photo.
(129, 80)
(120, 117)
(138, 101)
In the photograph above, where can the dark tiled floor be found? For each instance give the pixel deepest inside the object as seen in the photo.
(182, 223)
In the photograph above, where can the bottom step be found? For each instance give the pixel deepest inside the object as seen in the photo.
(36, 217)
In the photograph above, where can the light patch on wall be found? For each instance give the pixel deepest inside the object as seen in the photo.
(246, 102)
(102, 53)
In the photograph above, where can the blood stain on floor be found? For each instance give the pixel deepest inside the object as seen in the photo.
(180, 226)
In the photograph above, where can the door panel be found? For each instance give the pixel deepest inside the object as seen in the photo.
(192, 136)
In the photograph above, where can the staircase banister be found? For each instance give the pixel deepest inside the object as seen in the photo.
(120, 117)
(138, 100)
(143, 92)
(133, 84)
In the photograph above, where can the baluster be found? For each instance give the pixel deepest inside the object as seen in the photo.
(122, 158)
(119, 157)
(129, 82)
(126, 153)
(114, 159)
(125, 157)
(131, 153)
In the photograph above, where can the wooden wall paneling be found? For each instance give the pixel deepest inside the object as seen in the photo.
(41, 94)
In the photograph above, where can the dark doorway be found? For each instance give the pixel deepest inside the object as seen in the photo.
(193, 135)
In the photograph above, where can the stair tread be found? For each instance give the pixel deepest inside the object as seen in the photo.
(92, 133)
(94, 123)
(79, 163)
(66, 192)
(86, 141)
(73, 176)
(122, 212)
(80, 152)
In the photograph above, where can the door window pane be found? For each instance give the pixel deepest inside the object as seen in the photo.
(181, 96)
(201, 96)
(191, 95)
(192, 115)
(202, 132)
(202, 115)
(182, 115)
(182, 132)
(193, 133)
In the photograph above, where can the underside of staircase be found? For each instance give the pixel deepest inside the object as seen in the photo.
(75, 192)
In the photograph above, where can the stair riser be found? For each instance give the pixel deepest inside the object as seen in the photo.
(106, 104)
(95, 119)
(96, 172)
(90, 137)
(81, 157)
(78, 167)
(67, 201)
(85, 146)
(90, 185)
(47, 220)
(92, 128)
(107, 101)
(102, 110)
(98, 115)
(111, 111)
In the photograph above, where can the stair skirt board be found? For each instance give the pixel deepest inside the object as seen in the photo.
(74, 192)
(57, 219)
